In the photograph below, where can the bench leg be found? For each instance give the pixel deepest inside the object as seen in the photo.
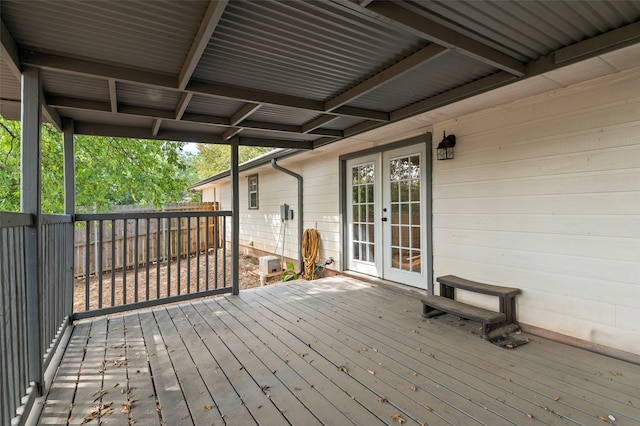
(486, 328)
(508, 308)
(429, 312)
(447, 291)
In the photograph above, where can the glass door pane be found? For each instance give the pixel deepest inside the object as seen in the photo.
(404, 198)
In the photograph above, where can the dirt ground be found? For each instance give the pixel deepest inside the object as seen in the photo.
(192, 279)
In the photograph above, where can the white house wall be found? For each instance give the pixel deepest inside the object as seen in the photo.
(544, 195)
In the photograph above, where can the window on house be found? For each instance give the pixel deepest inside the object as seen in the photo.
(253, 191)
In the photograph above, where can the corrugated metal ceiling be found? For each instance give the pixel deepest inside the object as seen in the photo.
(76, 86)
(277, 72)
(285, 47)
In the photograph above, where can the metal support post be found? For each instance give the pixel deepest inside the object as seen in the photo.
(235, 218)
(30, 202)
(69, 209)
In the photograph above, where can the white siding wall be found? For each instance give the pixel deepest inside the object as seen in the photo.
(544, 194)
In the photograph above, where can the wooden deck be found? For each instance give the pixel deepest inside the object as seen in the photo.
(334, 351)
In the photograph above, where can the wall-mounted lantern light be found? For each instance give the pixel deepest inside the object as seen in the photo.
(445, 148)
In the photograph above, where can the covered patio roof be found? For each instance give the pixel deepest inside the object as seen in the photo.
(290, 74)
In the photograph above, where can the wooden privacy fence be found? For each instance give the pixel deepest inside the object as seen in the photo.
(133, 260)
(158, 235)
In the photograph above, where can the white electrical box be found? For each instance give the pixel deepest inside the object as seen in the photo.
(270, 264)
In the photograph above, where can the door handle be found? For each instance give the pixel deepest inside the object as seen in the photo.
(384, 219)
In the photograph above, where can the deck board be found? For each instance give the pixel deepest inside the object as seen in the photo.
(477, 360)
(250, 393)
(62, 391)
(142, 395)
(395, 388)
(318, 374)
(171, 405)
(430, 381)
(332, 351)
(273, 355)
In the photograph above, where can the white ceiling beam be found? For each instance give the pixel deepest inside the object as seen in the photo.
(244, 112)
(207, 27)
(446, 37)
(113, 95)
(147, 78)
(394, 71)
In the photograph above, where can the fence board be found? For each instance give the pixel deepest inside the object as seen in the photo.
(156, 235)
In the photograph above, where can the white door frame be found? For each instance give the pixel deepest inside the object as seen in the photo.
(375, 155)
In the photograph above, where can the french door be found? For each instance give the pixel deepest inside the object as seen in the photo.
(387, 217)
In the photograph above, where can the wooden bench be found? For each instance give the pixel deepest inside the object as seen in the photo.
(491, 320)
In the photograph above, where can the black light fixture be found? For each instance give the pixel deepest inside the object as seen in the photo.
(445, 148)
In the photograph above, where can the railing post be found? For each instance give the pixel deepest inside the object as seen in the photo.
(30, 202)
(235, 219)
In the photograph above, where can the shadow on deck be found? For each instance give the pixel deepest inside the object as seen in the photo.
(334, 351)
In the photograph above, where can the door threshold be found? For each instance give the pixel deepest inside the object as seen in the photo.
(404, 289)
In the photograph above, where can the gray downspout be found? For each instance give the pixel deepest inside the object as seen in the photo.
(300, 208)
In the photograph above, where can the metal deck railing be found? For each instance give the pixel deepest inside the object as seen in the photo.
(161, 257)
(35, 304)
(136, 260)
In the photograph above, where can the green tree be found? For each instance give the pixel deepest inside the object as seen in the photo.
(109, 171)
(214, 159)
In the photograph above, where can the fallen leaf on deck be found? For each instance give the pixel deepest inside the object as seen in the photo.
(115, 385)
(207, 407)
(508, 379)
(343, 368)
(557, 398)
(398, 418)
(264, 387)
(413, 388)
(371, 372)
(530, 415)
(383, 399)
(429, 409)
